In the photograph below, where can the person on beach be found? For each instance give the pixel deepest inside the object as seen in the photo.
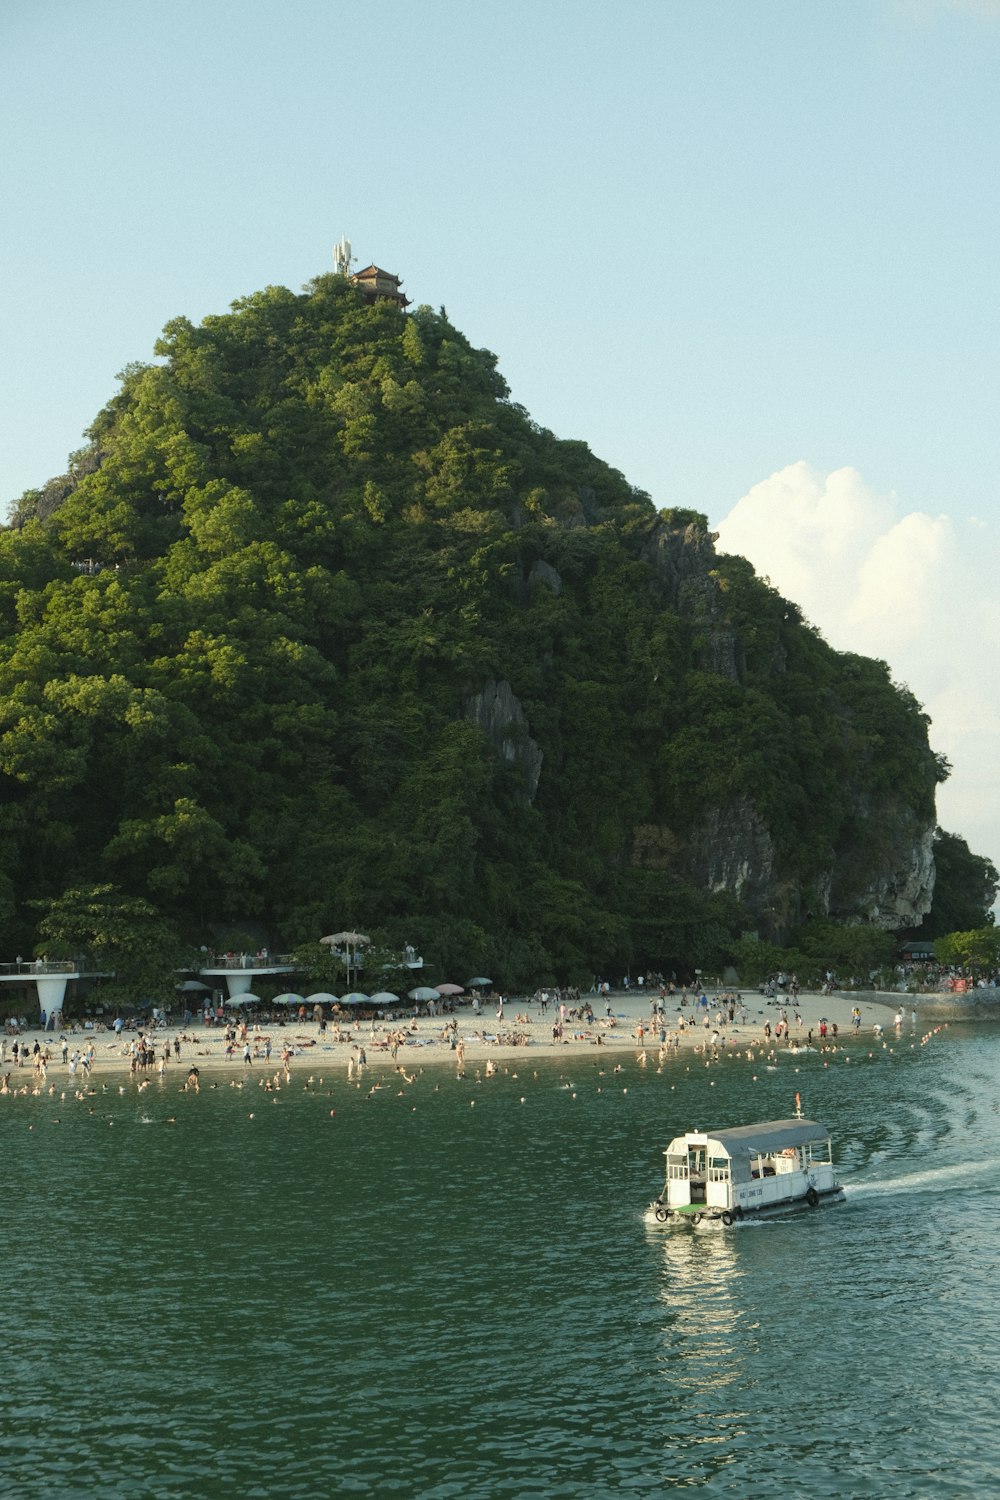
(193, 1079)
(247, 1057)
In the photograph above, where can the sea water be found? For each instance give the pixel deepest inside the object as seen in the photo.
(445, 1288)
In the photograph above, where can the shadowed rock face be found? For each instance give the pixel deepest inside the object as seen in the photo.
(899, 890)
(501, 718)
(891, 886)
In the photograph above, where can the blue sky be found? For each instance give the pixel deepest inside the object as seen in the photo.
(739, 248)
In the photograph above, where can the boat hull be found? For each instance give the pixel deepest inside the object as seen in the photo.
(659, 1216)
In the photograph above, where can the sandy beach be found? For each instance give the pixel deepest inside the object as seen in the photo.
(480, 1040)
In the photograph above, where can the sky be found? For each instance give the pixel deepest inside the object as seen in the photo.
(747, 252)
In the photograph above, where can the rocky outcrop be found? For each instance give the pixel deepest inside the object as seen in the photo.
(683, 554)
(887, 879)
(544, 575)
(501, 718)
(896, 888)
(732, 850)
(680, 548)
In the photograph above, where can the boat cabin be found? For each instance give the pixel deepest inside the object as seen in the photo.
(749, 1167)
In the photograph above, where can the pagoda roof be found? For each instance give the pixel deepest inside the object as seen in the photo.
(371, 273)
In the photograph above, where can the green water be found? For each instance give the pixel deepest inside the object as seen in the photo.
(449, 1291)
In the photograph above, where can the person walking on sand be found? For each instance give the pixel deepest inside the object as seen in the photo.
(247, 1057)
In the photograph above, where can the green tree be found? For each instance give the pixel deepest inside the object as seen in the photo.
(965, 888)
(124, 937)
(978, 949)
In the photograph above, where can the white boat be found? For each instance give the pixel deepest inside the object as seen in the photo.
(747, 1172)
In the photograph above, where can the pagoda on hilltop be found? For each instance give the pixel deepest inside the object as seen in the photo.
(374, 284)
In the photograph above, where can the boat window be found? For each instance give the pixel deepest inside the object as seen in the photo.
(677, 1166)
(718, 1169)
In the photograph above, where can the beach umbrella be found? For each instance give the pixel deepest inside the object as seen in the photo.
(449, 989)
(351, 938)
(354, 998)
(385, 997)
(321, 997)
(476, 984)
(247, 998)
(193, 984)
(423, 992)
(289, 999)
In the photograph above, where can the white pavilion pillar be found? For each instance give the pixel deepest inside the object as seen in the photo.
(51, 993)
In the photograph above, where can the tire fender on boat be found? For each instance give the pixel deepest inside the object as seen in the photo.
(812, 1197)
(661, 1214)
(696, 1218)
(727, 1218)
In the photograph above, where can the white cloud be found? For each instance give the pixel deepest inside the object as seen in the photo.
(916, 590)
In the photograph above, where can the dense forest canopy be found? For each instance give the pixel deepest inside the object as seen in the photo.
(321, 630)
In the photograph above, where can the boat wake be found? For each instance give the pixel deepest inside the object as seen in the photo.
(911, 1181)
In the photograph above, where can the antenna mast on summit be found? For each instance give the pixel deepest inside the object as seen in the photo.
(342, 257)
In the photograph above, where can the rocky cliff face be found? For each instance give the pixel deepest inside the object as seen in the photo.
(880, 869)
(894, 886)
(890, 886)
(501, 718)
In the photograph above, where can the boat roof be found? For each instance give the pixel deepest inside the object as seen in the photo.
(759, 1140)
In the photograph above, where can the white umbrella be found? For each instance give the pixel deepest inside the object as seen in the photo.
(423, 992)
(449, 989)
(321, 997)
(192, 985)
(355, 998)
(385, 997)
(289, 999)
(477, 984)
(353, 939)
(245, 999)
